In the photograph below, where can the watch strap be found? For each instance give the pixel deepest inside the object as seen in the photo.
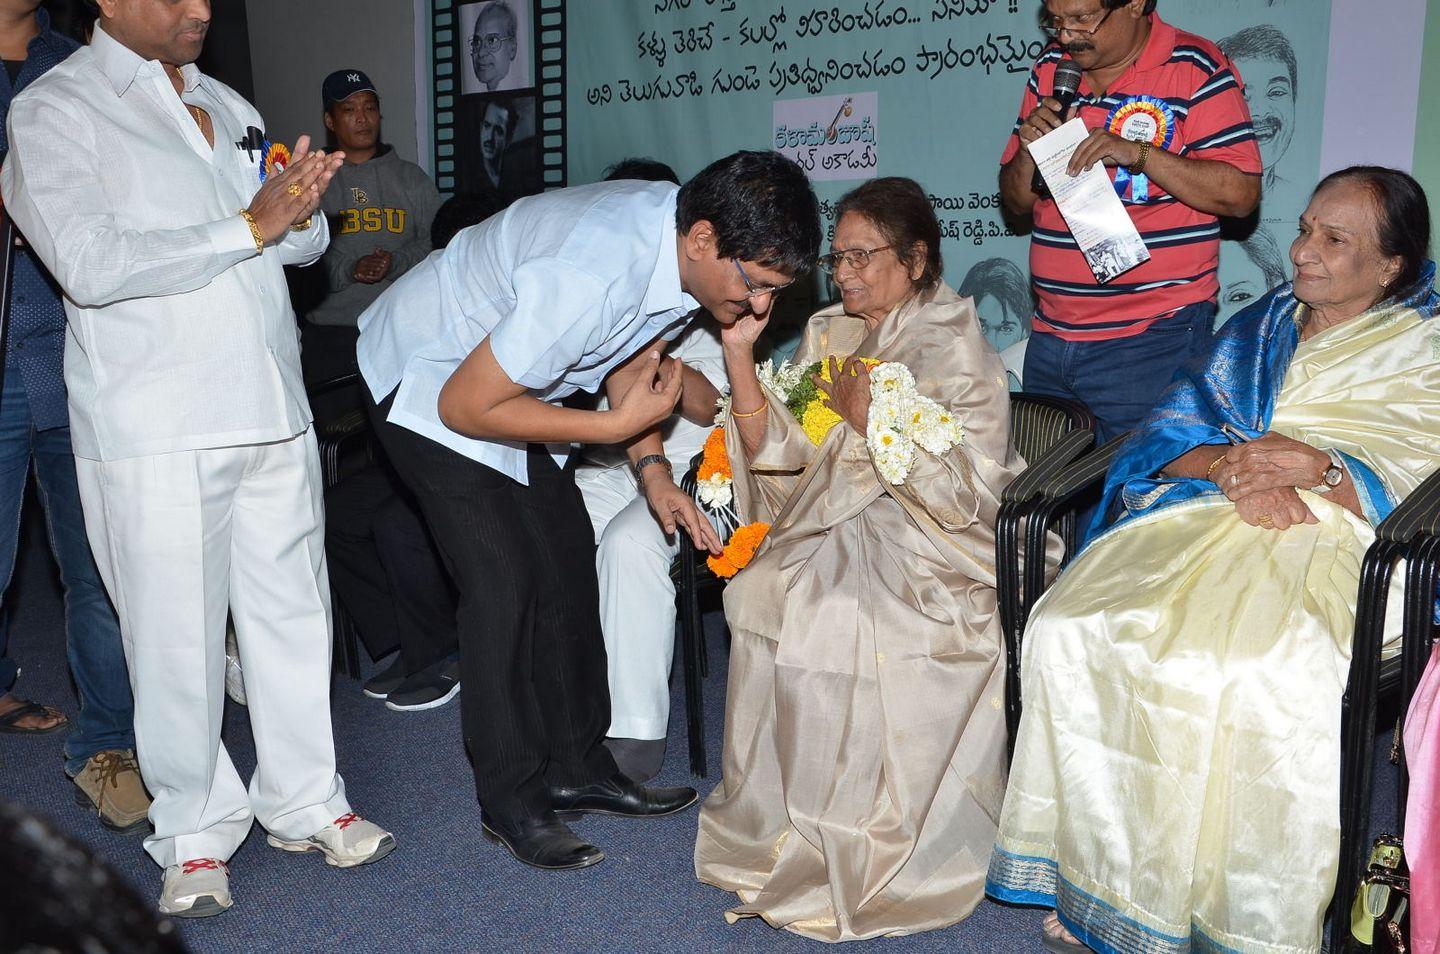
(649, 459)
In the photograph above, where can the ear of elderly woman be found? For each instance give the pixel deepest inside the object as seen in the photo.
(1340, 272)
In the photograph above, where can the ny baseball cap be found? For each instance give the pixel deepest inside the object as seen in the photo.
(342, 84)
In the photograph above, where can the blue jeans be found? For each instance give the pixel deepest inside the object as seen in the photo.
(92, 635)
(1120, 380)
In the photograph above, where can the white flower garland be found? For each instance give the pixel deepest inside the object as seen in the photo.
(900, 419)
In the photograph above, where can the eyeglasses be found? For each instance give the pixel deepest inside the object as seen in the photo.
(755, 291)
(1054, 26)
(489, 41)
(856, 258)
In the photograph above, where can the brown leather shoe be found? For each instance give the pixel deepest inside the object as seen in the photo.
(110, 785)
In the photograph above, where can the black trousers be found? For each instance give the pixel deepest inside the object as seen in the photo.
(535, 704)
(386, 569)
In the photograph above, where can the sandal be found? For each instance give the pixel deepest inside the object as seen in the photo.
(1055, 938)
(28, 708)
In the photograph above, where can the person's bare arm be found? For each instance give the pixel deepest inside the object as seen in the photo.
(481, 401)
(697, 397)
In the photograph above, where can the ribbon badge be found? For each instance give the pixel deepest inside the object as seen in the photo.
(277, 157)
(1140, 119)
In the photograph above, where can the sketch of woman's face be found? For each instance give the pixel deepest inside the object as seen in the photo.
(1000, 325)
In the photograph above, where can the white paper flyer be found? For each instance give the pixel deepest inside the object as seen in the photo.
(1089, 204)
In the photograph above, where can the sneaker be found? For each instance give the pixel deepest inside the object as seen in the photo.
(387, 680)
(198, 888)
(346, 842)
(234, 675)
(110, 785)
(428, 689)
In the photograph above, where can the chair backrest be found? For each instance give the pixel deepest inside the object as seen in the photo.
(1037, 421)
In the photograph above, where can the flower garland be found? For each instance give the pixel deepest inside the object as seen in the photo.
(901, 419)
(795, 384)
(739, 550)
(714, 480)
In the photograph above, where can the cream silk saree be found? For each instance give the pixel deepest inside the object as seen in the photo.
(1176, 780)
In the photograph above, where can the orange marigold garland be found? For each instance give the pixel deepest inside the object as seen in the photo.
(739, 551)
(714, 478)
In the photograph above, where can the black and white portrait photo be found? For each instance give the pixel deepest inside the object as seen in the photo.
(495, 52)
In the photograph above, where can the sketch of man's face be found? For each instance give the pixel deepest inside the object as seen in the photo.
(999, 325)
(494, 133)
(492, 47)
(1271, 97)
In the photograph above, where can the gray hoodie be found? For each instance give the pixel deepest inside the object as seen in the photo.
(385, 203)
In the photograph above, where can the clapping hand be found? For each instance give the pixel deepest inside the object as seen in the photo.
(291, 196)
(848, 391)
(373, 267)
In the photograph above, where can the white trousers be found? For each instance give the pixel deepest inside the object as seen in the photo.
(637, 601)
(179, 539)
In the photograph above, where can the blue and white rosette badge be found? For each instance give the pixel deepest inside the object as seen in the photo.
(1140, 119)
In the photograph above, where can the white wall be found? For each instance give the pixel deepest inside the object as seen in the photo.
(295, 44)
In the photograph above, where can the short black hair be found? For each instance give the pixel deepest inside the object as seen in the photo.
(1403, 212)
(1003, 281)
(463, 210)
(643, 168)
(762, 207)
(1263, 42)
(512, 113)
(901, 211)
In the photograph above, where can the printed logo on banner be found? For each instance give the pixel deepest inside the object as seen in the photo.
(831, 137)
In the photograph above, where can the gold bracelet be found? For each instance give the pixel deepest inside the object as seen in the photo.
(254, 231)
(1144, 157)
(1214, 464)
(763, 407)
(303, 226)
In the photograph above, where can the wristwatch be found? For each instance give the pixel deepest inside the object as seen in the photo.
(649, 459)
(1333, 475)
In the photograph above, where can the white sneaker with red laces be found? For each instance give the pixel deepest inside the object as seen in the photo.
(198, 888)
(346, 842)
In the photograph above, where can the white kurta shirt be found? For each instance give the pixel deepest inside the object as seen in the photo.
(179, 336)
(566, 286)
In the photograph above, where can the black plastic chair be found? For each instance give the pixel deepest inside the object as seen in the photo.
(1411, 532)
(336, 440)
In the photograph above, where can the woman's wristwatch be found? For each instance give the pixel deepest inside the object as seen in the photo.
(1333, 476)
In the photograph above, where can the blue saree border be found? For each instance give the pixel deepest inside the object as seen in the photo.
(1033, 880)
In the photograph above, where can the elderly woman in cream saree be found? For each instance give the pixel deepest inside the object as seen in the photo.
(1175, 785)
(864, 731)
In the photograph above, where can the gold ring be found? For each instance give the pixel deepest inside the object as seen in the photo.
(1266, 520)
(294, 189)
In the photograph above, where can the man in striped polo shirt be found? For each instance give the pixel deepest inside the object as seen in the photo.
(1115, 346)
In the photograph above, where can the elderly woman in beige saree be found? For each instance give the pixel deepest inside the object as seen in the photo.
(864, 761)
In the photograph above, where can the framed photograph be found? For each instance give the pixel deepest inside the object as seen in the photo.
(495, 46)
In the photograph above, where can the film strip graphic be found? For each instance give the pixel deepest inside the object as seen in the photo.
(448, 49)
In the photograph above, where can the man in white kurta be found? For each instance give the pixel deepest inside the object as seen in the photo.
(198, 472)
(632, 562)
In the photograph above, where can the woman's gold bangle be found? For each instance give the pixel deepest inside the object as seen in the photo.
(1214, 464)
(763, 407)
(254, 231)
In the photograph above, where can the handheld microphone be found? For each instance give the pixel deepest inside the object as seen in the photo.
(1064, 89)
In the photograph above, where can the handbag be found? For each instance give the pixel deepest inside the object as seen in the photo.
(1380, 917)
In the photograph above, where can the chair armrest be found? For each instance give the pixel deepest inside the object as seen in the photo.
(1083, 472)
(1044, 468)
(1417, 513)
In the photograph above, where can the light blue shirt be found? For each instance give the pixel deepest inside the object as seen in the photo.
(566, 285)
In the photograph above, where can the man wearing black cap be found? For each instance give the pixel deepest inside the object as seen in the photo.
(380, 208)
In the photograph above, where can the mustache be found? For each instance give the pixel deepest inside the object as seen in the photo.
(1073, 48)
(1267, 125)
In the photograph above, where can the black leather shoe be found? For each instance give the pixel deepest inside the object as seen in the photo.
(620, 796)
(545, 842)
